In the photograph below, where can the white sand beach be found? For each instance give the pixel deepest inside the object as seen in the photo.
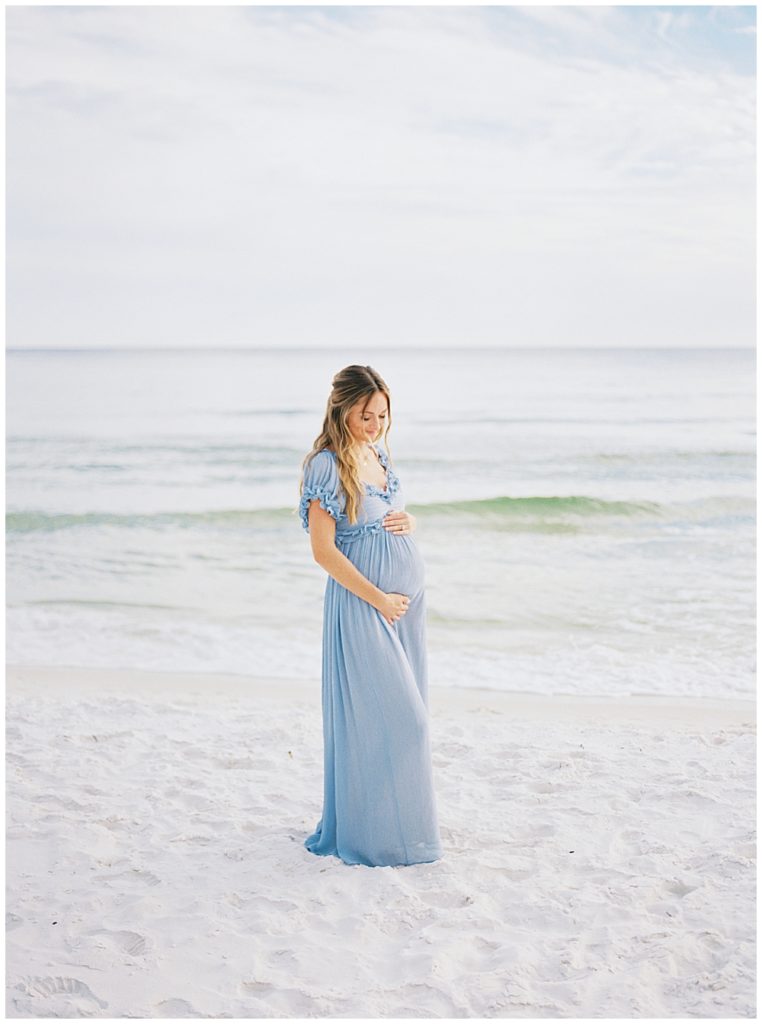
(599, 857)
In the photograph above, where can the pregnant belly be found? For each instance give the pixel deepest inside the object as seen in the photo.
(392, 562)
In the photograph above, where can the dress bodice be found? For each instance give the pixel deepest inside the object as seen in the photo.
(321, 480)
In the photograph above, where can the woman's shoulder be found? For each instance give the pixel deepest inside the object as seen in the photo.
(325, 455)
(321, 464)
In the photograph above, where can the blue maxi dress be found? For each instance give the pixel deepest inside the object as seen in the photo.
(379, 806)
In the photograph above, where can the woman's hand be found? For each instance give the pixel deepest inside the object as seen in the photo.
(399, 522)
(393, 607)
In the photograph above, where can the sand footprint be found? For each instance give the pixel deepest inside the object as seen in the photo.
(57, 997)
(132, 943)
(678, 888)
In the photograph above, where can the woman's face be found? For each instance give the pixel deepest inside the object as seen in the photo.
(368, 418)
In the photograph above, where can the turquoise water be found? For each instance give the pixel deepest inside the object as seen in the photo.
(587, 517)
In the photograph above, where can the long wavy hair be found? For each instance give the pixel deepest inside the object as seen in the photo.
(349, 386)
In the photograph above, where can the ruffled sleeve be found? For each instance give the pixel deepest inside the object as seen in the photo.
(321, 481)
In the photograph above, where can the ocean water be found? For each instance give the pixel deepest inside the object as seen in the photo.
(586, 517)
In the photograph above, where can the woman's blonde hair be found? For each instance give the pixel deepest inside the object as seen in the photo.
(349, 386)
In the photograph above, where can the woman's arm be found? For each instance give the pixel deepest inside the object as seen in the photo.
(336, 564)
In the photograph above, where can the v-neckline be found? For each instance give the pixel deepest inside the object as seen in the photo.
(370, 484)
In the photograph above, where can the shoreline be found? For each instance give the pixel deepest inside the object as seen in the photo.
(67, 681)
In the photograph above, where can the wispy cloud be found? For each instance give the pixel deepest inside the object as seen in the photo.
(407, 174)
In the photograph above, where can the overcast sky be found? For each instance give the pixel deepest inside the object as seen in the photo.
(380, 175)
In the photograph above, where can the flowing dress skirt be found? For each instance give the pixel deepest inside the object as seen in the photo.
(379, 806)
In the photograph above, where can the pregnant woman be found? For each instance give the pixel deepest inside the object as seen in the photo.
(379, 807)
